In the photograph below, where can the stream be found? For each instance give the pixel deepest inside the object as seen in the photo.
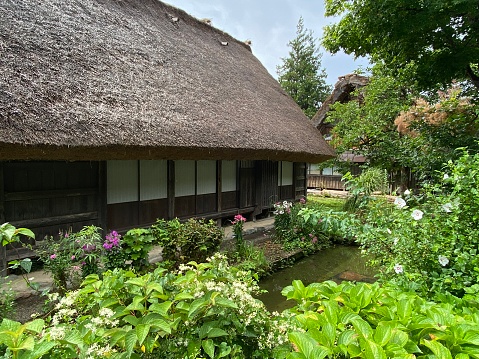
(337, 263)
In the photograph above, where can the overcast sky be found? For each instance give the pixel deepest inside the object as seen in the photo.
(270, 25)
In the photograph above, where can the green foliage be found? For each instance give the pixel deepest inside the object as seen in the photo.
(71, 256)
(366, 126)
(24, 340)
(372, 321)
(137, 244)
(396, 128)
(361, 187)
(301, 75)
(193, 240)
(10, 234)
(88, 249)
(59, 258)
(309, 228)
(431, 247)
(437, 38)
(201, 311)
(433, 130)
(7, 299)
(325, 203)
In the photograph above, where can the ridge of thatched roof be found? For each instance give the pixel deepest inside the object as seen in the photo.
(342, 91)
(110, 79)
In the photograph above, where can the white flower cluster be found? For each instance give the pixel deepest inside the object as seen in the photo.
(102, 321)
(57, 332)
(99, 351)
(65, 312)
(282, 207)
(278, 333)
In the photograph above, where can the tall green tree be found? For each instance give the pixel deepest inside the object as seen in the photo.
(301, 74)
(440, 38)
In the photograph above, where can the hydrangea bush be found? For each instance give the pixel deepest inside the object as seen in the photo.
(433, 246)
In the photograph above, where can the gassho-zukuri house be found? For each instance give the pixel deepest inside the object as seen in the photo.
(116, 113)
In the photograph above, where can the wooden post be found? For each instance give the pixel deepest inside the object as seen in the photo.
(3, 249)
(171, 189)
(102, 196)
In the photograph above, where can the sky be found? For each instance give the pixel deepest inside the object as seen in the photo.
(270, 25)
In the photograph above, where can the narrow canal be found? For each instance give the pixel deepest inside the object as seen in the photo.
(335, 263)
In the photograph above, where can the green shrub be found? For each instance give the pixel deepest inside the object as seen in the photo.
(432, 247)
(372, 321)
(71, 256)
(311, 227)
(194, 240)
(201, 311)
(362, 187)
(136, 245)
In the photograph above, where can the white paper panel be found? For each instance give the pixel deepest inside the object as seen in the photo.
(184, 178)
(153, 179)
(206, 177)
(228, 176)
(287, 173)
(122, 181)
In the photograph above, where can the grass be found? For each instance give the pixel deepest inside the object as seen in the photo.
(326, 203)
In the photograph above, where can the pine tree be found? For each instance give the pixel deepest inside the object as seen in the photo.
(301, 74)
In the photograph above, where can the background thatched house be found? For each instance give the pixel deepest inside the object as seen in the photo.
(344, 91)
(116, 113)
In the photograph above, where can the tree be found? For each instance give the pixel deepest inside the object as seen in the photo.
(440, 38)
(399, 129)
(301, 75)
(365, 125)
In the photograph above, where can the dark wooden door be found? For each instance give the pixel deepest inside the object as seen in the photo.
(247, 184)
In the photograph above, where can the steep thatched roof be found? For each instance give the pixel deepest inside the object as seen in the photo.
(342, 92)
(117, 79)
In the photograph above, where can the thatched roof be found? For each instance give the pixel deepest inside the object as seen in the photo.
(342, 92)
(111, 79)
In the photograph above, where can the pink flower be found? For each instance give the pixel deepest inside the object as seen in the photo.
(53, 256)
(73, 258)
(302, 200)
(314, 240)
(238, 219)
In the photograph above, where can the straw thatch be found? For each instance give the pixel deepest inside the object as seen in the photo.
(118, 79)
(342, 92)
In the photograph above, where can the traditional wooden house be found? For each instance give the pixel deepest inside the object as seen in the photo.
(330, 177)
(116, 113)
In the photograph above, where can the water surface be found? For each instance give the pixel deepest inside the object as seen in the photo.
(327, 264)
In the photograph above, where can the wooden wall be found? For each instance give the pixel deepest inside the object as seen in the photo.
(49, 196)
(119, 195)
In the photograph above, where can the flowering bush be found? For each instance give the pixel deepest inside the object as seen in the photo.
(436, 242)
(59, 258)
(89, 250)
(201, 311)
(114, 256)
(237, 223)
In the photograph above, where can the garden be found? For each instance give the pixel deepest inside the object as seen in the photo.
(200, 302)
